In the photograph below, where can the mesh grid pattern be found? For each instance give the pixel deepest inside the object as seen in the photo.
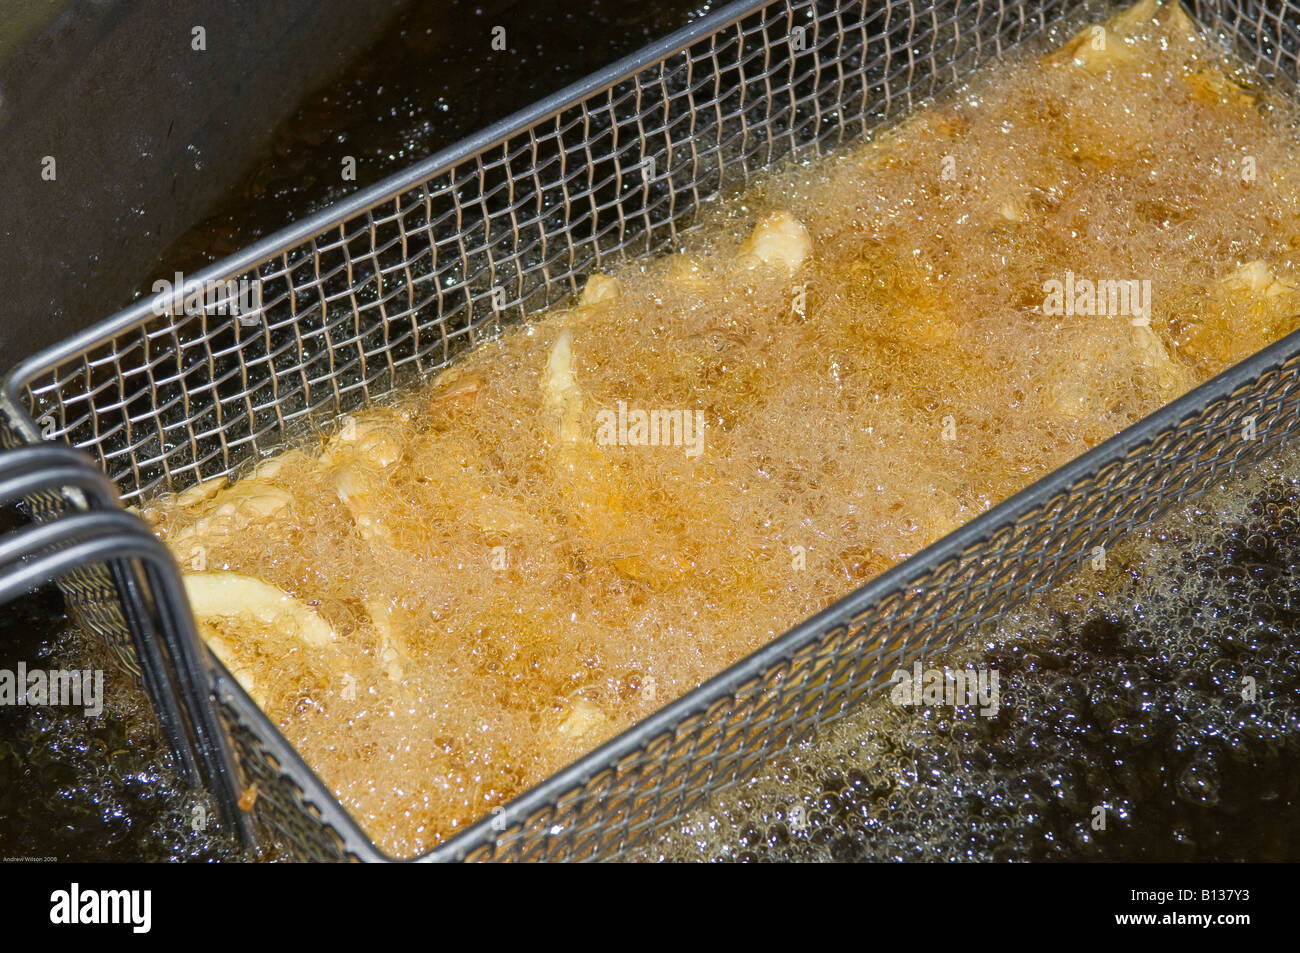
(307, 825)
(399, 282)
(398, 288)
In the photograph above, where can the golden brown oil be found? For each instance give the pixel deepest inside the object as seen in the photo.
(506, 591)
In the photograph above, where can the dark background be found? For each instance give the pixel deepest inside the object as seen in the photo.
(167, 157)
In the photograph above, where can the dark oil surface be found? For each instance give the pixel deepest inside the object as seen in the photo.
(431, 81)
(89, 788)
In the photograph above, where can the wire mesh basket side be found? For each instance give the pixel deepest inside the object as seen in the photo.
(395, 284)
(1266, 36)
(295, 813)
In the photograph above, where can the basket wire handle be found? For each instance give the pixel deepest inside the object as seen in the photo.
(30, 470)
(49, 551)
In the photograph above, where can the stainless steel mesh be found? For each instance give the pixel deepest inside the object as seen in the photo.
(395, 283)
(401, 279)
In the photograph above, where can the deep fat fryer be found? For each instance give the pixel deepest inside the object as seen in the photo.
(394, 283)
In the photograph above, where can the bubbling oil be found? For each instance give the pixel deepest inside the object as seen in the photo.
(503, 590)
(97, 788)
(1163, 690)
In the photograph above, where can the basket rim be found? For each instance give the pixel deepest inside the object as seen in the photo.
(358, 203)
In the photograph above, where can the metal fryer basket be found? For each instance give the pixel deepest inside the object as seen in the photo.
(395, 282)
